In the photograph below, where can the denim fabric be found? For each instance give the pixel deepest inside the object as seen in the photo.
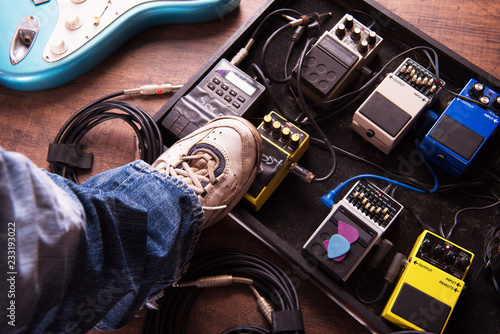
(89, 255)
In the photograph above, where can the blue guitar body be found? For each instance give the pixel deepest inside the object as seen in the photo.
(46, 45)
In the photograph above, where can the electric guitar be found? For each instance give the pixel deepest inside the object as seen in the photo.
(46, 43)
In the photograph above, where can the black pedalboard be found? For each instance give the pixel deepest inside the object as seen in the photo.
(380, 72)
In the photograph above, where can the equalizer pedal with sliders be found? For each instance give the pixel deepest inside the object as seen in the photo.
(361, 218)
(390, 111)
(430, 284)
(284, 144)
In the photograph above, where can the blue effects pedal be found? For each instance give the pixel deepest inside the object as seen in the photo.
(462, 130)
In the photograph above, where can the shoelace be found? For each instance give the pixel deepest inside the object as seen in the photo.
(183, 170)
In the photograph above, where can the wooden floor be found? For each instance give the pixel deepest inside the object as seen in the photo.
(172, 53)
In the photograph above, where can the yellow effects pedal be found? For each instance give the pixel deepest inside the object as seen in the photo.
(430, 284)
(284, 144)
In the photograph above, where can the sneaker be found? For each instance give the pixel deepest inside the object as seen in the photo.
(219, 161)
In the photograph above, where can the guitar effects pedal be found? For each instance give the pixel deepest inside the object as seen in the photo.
(430, 284)
(224, 91)
(361, 218)
(462, 129)
(392, 108)
(283, 145)
(335, 59)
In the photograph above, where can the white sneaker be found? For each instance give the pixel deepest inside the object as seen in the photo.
(219, 161)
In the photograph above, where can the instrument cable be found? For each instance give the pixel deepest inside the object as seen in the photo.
(275, 293)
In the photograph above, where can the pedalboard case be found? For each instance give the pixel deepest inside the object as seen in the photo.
(290, 214)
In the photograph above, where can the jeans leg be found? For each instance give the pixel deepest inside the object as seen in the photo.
(139, 230)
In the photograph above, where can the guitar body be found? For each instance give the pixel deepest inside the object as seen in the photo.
(46, 45)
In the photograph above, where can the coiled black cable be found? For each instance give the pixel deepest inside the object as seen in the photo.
(265, 277)
(148, 134)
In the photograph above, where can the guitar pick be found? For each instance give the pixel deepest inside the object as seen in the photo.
(337, 246)
(349, 232)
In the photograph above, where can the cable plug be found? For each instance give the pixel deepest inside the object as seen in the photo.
(328, 199)
(301, 172)
(397, 262)
(264, 306)
(153, 89)
(243, 53)
(308, 18)
(214, 281)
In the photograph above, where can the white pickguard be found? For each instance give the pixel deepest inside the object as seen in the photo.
(81, 20)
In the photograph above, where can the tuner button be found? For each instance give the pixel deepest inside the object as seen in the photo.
(476, 90)
(73, 21)
(484, 100)
(340, 32)
(363, 47)
(356, 34)
(58, 46)
(372, 37)
(349, 21)
(496, 102)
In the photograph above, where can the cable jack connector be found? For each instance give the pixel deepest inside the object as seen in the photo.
(264, 306)
(153, 89)
(301, 172)
(214, 281)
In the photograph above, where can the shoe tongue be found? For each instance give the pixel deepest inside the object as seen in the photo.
(200, 166)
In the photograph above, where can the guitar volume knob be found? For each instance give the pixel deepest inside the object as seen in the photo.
(73, 21)
(58, 46)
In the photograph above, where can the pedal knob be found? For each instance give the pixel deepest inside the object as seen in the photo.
(295, 140)
(285, 133)
(349, 21)
(463, 263)
(496, 103)
(73, 21)
(58, 46)
(438, 251)
(363, 47)
(340, 32)
(372, 37)
(450, 257)
(276, 129)
(476, 90)
(268, 121)
(356, 34)
(484, 100)
(426, 244)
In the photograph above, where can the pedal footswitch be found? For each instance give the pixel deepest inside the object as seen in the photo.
(365, 210)
(283, 144)
(429, 287)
